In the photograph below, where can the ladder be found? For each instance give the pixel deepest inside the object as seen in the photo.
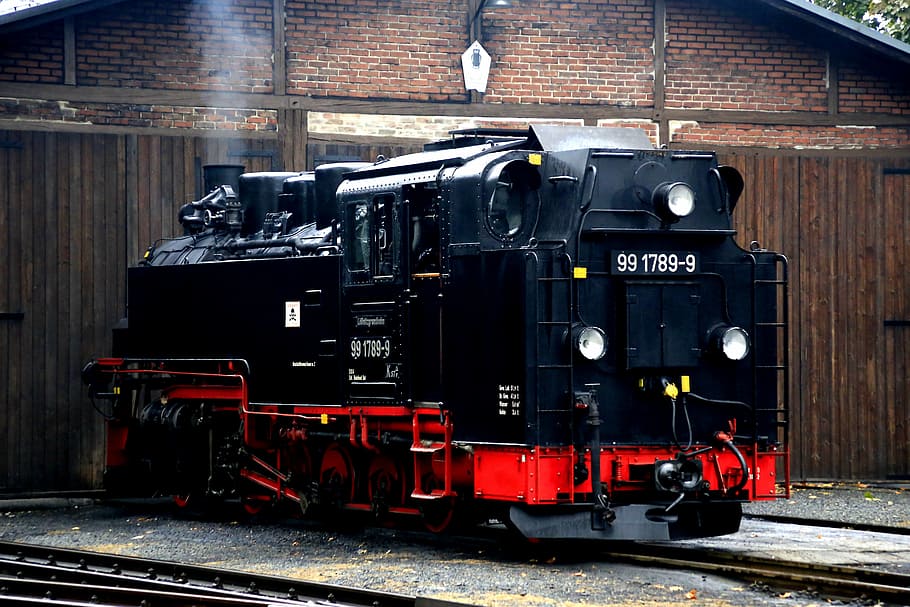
(775, 369)
(424, 451)
(549, 271)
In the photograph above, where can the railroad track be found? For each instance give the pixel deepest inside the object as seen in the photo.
(43, 575)
(810, 522)
(31, 574)
(831, 581)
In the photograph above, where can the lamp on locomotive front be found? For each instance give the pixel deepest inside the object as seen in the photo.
(732, 342)
(678, 475)
(589, 342)
(673, 201)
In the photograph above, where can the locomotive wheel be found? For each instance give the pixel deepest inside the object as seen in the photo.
(302, 476)
(193, 504)
(184, 501)
(386, 484)
(437, 514)
(254, 505)
(336, 473)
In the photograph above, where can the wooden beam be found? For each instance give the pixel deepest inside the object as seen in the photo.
(69, 51)
(133, 239)
(293, 138)
(279, 48)
(902, 154)
(53, 126)
(832, 81)
(660, 70)
(789, 118)
(114, 95)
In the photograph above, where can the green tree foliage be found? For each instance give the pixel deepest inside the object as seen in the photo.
(891, 17)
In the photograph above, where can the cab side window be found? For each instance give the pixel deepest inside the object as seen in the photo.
(424, 234)
(358, 237)
(372, 238)
(386, 236)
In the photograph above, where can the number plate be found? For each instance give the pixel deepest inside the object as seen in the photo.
(371, 348)
(654, 262)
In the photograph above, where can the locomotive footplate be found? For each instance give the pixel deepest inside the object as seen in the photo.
(639, 522)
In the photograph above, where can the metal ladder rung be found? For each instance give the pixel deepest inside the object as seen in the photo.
(435, 494)
(433, 448)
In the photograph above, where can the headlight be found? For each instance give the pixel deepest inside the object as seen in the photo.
(674, 200)
(677, 475)
(589, 342)
(732, 342)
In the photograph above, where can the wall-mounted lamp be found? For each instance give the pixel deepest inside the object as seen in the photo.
(481, 5)
(475, 61)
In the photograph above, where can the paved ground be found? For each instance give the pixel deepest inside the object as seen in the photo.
(476, 572)
(882, 504)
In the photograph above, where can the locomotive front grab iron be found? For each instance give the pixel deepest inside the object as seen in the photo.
(555, 330)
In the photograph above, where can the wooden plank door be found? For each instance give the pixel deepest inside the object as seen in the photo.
(894, 419)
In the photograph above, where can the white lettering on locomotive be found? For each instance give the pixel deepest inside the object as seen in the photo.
(371, 347)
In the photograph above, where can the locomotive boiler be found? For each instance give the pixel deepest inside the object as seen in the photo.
(554, 330)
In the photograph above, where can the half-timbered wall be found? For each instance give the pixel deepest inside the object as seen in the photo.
(106, 118)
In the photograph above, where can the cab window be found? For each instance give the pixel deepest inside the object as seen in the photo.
(372, 238)
(512, 198)
(358, 237)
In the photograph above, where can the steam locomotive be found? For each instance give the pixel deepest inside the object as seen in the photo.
(552, 328)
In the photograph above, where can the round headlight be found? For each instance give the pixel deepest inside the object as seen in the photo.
(590, 342)
(733, 342)
(674, 200)
(681, 199)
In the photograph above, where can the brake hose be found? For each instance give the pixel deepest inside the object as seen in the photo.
(725, 439)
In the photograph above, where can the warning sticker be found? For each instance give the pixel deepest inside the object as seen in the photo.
(292, 314)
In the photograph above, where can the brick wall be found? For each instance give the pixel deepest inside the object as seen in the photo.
(717, 60)
(34, 56)
(216, 45)
(139, 115)
(387, 49)
(427, 128)
(585, 51)
(783, 136)
(862, 90)
(597, 53)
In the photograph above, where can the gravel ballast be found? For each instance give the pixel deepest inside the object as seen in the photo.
(479, 571)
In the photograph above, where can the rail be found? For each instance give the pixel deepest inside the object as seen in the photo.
(32, 574)
(828, 580)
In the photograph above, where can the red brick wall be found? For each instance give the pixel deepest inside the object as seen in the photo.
(549, 52)
(140, 115)
(387, 49)
(217, 45)
(782, 136)
(717, 60)
(33, 56)
(863, 90)
(585, 51)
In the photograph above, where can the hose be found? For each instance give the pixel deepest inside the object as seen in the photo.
(725, 440)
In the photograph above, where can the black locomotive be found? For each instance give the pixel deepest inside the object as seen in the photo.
(552, 329)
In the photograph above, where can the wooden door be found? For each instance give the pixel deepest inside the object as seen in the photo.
(894, 414)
